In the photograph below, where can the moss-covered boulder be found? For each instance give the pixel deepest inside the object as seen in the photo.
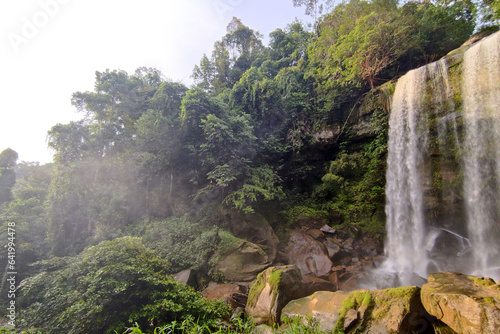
(467, 304)
(363, 311)
(244, 263)
(273, 289)
(323, 307)
(251, 227)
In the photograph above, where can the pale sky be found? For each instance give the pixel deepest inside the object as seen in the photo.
(50, 49)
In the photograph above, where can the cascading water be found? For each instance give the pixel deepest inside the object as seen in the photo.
(408, 139)
(407, 175)
(417, 242)
(481, 98)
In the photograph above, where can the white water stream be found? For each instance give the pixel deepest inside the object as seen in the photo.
(481, 98)
(408, 141)
(408, 175)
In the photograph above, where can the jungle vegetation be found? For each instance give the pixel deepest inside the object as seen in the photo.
(151, 156)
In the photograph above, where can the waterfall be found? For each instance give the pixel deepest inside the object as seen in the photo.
(408, 145)
(418, 243)
(481, 100)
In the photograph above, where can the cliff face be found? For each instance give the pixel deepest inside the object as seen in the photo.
(436, 189)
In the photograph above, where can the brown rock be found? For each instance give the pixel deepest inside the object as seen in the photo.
(316, 234)
(272, 290)
(351, 317)
(308, 254)
(334, 278)
(224, 292)
(327, 229)
(311, 284)
(245, 262)
(338, 268)
(332, 247)
(363, 311)
(467, 304)
(253, 228)
(239, 299)
(349, 282)
(323, 307)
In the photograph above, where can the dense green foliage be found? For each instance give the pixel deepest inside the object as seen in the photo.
(298, 127)
(8, 158)
(295, 326)
(183, 243)
(107, 287)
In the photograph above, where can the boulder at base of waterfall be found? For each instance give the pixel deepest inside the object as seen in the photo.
(311, 284)
(396, 310)
(245, 262)
(223, 292)
(322, 308)
(467, 304)
(272, 290)
(253, 228)
(309, 255)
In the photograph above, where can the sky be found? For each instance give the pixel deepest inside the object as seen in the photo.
(50, 49)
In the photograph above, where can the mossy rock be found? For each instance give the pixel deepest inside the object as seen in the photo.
(272, 290)
(243, 263)
(363, 311)
(467, 304)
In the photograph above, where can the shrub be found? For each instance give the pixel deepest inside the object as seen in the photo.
(106, 288)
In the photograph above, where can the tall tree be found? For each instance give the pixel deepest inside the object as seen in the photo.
(8, 159)
(314, 8)
(231, 57)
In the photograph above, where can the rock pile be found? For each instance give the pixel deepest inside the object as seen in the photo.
(449, 303)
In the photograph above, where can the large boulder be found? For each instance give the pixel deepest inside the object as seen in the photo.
(253, 228)
(273, 289)
(245, 262)
(323, 308)
(308, 254)
(467, 304)
(229, 293)
(396, 310)
(311, 284)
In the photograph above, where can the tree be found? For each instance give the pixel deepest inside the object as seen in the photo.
(314, 8)
(8, 158)
(72, 142)
(363, 43)
(106, 288)
(231, 57)
(290, 43)
(28, 210)
(114, 107)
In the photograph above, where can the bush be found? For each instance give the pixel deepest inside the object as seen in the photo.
(182, 242)
(106, 288)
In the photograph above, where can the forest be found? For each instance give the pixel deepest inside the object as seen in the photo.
(142, 186)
